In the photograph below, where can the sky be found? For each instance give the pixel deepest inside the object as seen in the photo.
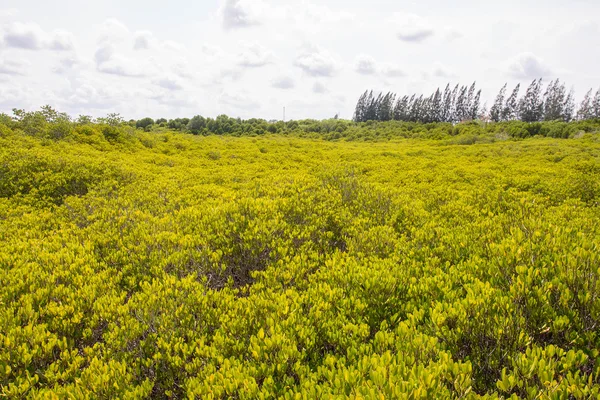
(252, 58)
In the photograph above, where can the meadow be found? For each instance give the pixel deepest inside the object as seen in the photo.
(161, 264)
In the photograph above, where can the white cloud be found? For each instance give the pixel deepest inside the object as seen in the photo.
(8, 13)
(365, 65)
(173, 46)
(169, 82)
(254, 55)
(231, 73)
(411, 27)
(182, 69)
(142, 40)
(392, 71)
(31, 36)
(84, 96)
(528, 66)
(319, 88)
(122, 66)
(61, 40)
(113, 31)
(24, 36)
(210, 50)
(283, 82)
(69, 63)
(453, 34)
(10, 66)
(314, 18)
(13, 96)
(104, 53)
(317, 62)
(109, 62)
(174, 99)
(238, 101)
(240, 13)
(441, 71)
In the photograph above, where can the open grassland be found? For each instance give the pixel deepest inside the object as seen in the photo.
(138, 264)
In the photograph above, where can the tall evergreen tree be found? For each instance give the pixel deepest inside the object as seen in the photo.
(371, 108)
(511, 108)
(386, 107)
(436, 107)
(531, 106)
(585, 108)
(483, 113)
(554, 101)
(496, 109)
(447, 105)
(361, 108)
(596, 105)
(416, 110)
(401, 109)
(454, 113)
(470, 100)
(569, 106)
(462, 105)
(475, 104)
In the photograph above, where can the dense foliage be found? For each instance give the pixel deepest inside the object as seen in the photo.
(463, 104)
(138, 264)
(48, 123)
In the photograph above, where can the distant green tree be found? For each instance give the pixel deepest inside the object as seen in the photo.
(197, 124)
(531, 106)
(361, 108)
(112, 119)
(84, 119)
(496, 109)
(475, 106)
(436, 110)
(596, 105)
(554, 101)
(400, 109)
(446, 114)
(144, 123)
(51, 115)
(569, 106)
(462, 105)
(510, 111)
(585, 108)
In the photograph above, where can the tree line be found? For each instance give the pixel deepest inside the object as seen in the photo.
(463, 103)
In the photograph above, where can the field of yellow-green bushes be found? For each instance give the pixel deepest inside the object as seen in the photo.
(137, 264)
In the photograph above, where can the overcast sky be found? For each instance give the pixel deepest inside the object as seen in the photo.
(250, 58)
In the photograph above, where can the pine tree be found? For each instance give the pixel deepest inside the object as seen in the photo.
(385, 107)
(409, 107)
(596, 105)
(453, 117)
(475, 104)
(496, 110)
(360, 113)
(585, 108)
(569, 106)
(531, 106)
(436, 107)
(469, 102)
(554, 101)
(511, 108)
(401, 109)
(371, 107)
(483, 113)
(416, 110)
(447, 105)
(462, 105)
